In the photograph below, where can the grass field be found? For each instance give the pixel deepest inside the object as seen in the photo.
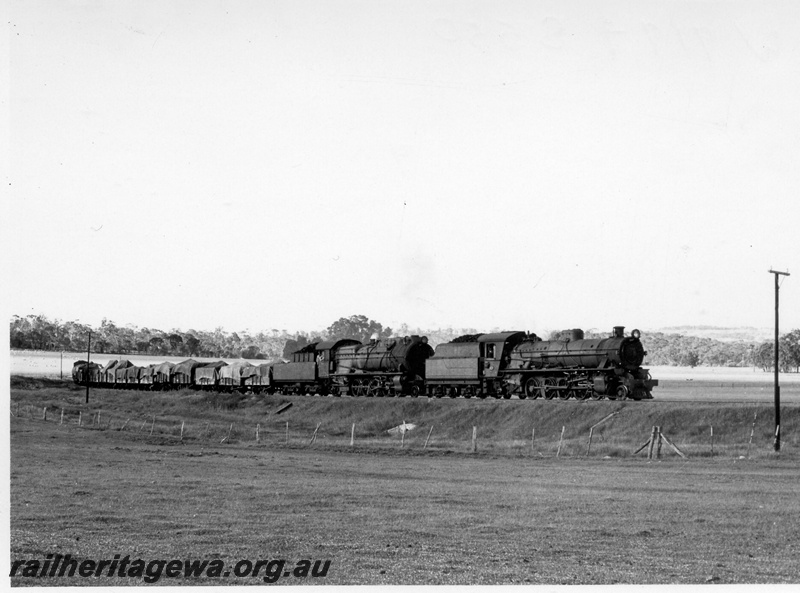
(511, 513)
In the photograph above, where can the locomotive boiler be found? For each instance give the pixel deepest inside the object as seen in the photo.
(392, 366)
(520, 364)
(608, 367)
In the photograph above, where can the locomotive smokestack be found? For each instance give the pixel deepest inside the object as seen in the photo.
(619, 331)
(577, 334)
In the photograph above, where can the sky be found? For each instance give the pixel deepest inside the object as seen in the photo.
(522, 165)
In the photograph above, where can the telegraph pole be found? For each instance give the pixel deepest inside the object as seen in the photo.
(777, 444)
(88, 354)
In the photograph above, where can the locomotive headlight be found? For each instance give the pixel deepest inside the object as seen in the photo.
(636, 334)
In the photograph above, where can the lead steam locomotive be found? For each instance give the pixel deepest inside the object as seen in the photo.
(496, 365)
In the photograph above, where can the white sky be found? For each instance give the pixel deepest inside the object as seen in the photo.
(520, 165)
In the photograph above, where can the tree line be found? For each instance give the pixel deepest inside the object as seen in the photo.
(691, 351)
(37, 332)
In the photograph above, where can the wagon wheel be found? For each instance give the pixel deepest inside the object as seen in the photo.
(415, 391)
(468, 392)
(533, 388)
(549, 388)
(622, 392)
(452, 392)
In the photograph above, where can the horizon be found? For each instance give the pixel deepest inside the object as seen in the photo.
(753, 331)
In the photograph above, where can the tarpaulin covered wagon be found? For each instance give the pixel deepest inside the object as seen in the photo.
(80, 373)
(121, 371)
(183, 373)
(208, 374)
(258, 377)
(107, 374)
(233, 375)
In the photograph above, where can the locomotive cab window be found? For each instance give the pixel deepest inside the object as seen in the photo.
(489, 350)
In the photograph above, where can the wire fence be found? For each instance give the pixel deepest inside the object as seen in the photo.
(656, 443)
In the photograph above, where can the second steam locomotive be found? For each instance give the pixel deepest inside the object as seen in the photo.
(499, 365)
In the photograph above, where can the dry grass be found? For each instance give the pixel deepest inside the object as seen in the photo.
(392, 517)
(504, 427)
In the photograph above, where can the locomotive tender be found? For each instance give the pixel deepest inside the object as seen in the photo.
(497, 365)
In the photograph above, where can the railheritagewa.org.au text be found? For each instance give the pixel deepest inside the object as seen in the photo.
(151, 571)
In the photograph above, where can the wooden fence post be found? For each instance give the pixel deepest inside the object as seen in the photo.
(62, 417)
(652, 443)
(258, 437)
(533, 436)
(182, 424)
(403, 435)
(752, 430)
(44, 413)
(712, 440)
(141, 428)
(425, 446)
(666, 440)
(353, 435)
(152, 426)
(80, 418)
(658, 444)
(560, 440)
(314, 436)
(591, 430)
(286, 438)
(124, 425)
(647, 442)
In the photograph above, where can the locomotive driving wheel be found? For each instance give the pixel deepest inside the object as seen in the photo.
(533, 388)
(549, 387)
(358, 387)
(622, 392)
(564, 392)
(582, 393)
(375, 388)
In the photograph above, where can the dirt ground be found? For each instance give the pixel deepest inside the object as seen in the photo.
(399, 517)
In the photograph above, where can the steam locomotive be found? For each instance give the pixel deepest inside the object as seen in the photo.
(499, 365)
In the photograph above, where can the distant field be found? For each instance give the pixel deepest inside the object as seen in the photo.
(723, 384)
(721, 374)
(37, 363)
